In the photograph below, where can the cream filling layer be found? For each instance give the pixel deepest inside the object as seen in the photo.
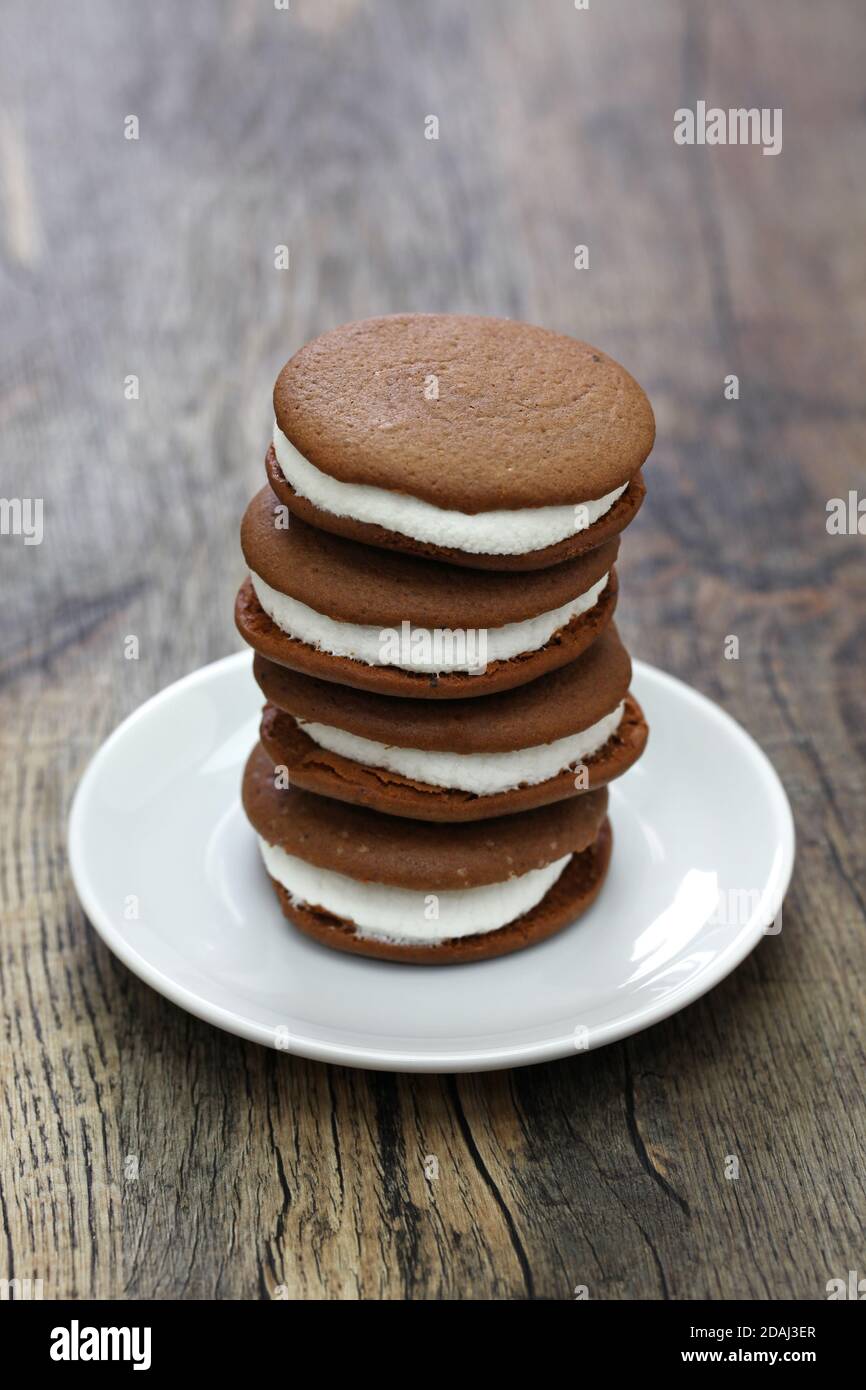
(403, 914)
(417, 649)
(483, 774)
(504, 532)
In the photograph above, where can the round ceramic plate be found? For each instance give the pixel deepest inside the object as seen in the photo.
(168, 871)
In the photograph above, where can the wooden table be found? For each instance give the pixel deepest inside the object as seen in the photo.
(154, 258)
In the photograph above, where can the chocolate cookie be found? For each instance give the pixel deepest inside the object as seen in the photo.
(403, 625)
(575, 891)
(409, 890)
(573, 730)
(479, 441)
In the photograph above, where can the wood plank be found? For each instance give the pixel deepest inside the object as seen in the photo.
(261, 1175)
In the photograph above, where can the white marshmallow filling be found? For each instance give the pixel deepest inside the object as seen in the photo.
(483, 774)
(418, 648)
(503, 532)
(406, 915)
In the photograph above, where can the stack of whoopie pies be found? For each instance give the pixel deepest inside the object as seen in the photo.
(430, 598)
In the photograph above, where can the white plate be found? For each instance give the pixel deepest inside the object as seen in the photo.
(703, 852)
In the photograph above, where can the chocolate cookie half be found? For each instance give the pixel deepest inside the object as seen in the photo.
(479, 441)
(402, 625)
(408, 890)
(569, 732)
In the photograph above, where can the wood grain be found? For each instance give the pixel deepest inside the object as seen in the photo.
(261, 1175)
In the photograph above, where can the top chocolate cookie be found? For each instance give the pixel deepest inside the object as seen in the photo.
(480, 441)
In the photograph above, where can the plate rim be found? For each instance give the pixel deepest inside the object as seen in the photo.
(467, 1060)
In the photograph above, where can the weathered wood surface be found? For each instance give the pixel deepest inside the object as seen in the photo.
(155, 258)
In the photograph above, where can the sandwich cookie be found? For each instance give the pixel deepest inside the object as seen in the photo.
(404, 625)
(569, 732)
(479, 441)
(408, 890)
